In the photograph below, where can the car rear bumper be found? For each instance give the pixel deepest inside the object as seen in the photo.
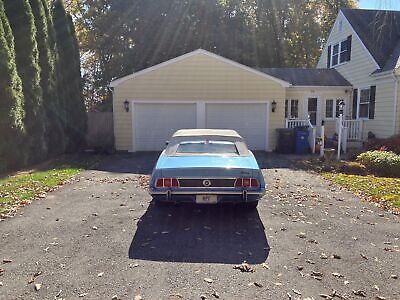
(222, 196)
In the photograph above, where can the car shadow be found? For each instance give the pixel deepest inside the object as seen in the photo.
(199, 234)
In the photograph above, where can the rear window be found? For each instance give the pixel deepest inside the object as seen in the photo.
(204, 147)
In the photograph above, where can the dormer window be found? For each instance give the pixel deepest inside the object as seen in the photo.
(339, 53)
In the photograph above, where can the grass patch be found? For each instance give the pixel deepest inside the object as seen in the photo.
(21, 188)
(379, 189)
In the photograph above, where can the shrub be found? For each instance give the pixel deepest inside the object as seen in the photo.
(383, 163)
(389, 144)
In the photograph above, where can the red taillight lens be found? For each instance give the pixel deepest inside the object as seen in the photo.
(167, 182)
(160, 182)
(254, 183)
(246, 182)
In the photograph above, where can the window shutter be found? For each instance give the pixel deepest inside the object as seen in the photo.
(355, 100)
(328, 62)
(372, 102)
(349, 47)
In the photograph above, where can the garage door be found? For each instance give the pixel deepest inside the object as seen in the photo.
(250, 120)
(154, 123)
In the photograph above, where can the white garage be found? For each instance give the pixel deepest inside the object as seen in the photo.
(196, 90)
(154, 123)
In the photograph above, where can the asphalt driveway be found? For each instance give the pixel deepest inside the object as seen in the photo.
(100, 237)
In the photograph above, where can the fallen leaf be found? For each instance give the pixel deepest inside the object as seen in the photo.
(94, 228)
(215, 294)
(380, 298)
(175, 296)
(359, 293)
(115, 297)
(301, 235)
(244, 267)
(6, 260)
(336, 256)
(338, 275)
(38, 286)
(296, 292)
(364, 256)
(100, 274)
(376, 287)
(208, 280)
(138, 297)
(265, 266)
(203, 297)
(394, 276)
(325, 296)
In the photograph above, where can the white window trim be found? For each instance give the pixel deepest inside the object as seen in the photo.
(340, 51)
(290, 114)
(358, 102)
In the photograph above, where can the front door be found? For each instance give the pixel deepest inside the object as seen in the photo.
(313, 110)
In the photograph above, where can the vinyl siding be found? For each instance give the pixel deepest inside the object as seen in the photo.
(196, 78)
(358, 72)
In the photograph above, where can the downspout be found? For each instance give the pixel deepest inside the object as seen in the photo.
(396, 90)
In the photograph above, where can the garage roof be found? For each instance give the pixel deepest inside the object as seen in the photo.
(118, 81)
(308, 77)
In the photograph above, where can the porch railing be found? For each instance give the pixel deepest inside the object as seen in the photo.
(354, 129)
(293, 123)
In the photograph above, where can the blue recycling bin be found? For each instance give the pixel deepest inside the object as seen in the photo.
(302, 146)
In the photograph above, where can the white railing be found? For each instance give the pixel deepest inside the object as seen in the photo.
(293, 123)
(354, 129)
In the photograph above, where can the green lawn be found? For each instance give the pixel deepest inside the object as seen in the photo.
(21, 188)
(378, 188)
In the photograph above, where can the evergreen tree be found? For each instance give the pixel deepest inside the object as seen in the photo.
(11, 99)
(69, 76)
(54, 133)
(19, 14)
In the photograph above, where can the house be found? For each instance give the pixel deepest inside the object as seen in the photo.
(203, 90)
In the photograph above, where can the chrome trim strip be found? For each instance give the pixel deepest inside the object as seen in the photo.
(210, 193)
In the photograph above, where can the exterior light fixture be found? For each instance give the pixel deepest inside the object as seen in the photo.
(341, 106)
(126, 105)
(273, 106)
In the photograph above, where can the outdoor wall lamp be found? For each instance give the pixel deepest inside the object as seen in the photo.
(126, 105)
(341, 106)
(273, 106)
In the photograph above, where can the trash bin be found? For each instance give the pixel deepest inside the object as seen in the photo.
(286, 140)
(302, 145)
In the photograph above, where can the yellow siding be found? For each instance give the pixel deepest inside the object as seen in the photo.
(358, 72)
(198, 77)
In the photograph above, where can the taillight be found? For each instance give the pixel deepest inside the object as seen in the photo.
(247, 182)
(167, 182)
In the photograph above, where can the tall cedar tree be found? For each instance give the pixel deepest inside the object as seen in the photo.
(22, 23)
(70, 76)
(11, 99)
(54, 132)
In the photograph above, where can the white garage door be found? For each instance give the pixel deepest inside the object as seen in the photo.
(250, 120)
(154, 123)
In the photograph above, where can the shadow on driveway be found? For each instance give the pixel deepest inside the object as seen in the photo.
(200, 234)
(144, 162)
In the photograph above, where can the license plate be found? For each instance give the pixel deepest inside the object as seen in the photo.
(206, 199)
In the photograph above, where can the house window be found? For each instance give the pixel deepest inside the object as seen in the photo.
(329, 109)
(332, 108)
(339, 53)
(363, 108)
(343, 51)
(335, 55)
(292, 109)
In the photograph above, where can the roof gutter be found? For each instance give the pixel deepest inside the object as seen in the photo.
(396, 94)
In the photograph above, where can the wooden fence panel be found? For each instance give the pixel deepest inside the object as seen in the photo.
(100, 132)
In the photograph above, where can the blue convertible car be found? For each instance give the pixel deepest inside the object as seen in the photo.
(207, 166)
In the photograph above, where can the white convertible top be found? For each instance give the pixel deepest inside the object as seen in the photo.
(228, 135)
(207, 132)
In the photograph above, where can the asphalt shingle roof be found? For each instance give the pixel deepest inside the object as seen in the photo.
(379, 30)
(308, 77)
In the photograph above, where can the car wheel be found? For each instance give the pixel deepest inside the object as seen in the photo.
(250, 205)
